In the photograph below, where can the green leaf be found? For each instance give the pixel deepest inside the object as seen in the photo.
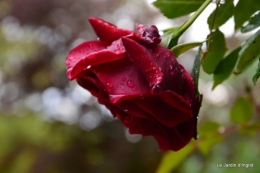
(223, 13)
(170, 37)
(207, 128)
(243, 10)
(206, 145)
(256, 76)
(182, 48)
(171, 159)
(225, 67)
(249, 52)
(177, 8)
(253, 23)
(250, 129)
(216, 51)
(209, 136)
(195, 72)
(242, 110)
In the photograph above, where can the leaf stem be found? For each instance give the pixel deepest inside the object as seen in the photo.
(188, 23)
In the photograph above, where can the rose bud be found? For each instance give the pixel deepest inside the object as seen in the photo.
(139, 81)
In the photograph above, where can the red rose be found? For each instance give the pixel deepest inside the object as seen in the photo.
(139, 81)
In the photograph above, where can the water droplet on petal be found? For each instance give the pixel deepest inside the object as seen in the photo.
(130, 83)
(123, 79)
(126, 110)
(88, 67)
(170, 67)
(82, 50)
(109, 85)
(134, 89)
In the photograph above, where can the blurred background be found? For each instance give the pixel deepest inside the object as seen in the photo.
(49, 124)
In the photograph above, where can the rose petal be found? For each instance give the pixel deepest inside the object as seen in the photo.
(175, 138)
(171, 69)
(143, 60)
(107, 31)
(121, 78)
(103, 56)
(170, 111)
(148, 34)
(81, 51)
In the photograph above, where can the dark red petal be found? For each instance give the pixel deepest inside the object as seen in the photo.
(107, 31)
(143, 126)
(170, 68)
(169, 108)
(121, 79)
(82, 50)
(175, 138)
(103, 56)
(148, 34)
(90, 82)
(143, 60)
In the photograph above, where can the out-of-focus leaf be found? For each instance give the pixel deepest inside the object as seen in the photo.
(253, 23)
(257, 74)
(243, 10)
(171, 159)
(225, 67)
(251, 129)
(209, 136)
(182, 48)
(250, 51)
(242, 110)
(208, 128)
(216, 51)
(177, 8)
(206, 145)
(195, 72)
(224, 12)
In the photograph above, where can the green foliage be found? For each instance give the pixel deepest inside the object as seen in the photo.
(225, 67)
(209, 136)
(216, 51)
(195, 72)
(257, 74)
(253, 23)
(170, 37)
(171, 159)
(250, 129)
(221, 15)
(243, 10)
(249, 52)
(242, 111)
(177, 8)
(182, 48)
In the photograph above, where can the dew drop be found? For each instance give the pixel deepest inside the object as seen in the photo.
(88, 67)
(170, 67)
(126, 110)
(82, 50)
(141, 96)
(121, 83)
(109, 85)
(134, 89)
(130, 83)
(123, 79)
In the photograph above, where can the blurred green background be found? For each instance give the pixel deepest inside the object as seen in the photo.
(49, 124)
